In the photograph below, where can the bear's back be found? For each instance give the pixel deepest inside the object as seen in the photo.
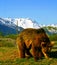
(31, 33)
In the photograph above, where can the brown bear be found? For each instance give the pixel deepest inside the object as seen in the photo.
(35, 39)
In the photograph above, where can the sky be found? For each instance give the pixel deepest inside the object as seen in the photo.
(42, 11)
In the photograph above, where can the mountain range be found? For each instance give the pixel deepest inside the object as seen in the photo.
(11, 25)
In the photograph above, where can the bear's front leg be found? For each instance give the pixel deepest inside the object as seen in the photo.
(45, 54)
(35, 53)
(21, 53)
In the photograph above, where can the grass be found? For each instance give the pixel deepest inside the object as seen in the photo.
(9, 56)
(7, 42)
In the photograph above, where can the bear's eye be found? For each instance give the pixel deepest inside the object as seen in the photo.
(44, 45)
(44, 40)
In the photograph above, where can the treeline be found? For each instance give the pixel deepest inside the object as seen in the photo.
(52, 37)
(1, 34)
(13, 36)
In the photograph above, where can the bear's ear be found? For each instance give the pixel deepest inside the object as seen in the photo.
(43, 44)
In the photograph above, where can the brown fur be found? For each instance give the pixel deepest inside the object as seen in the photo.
(35, 39)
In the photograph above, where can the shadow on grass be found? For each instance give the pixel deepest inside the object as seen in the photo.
(53, 54)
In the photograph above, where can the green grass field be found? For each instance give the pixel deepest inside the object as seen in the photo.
(9, 55)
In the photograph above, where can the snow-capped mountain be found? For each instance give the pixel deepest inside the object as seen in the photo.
(7, 26)
(52, 29)
(10, 24)
(27, 23)
(21, 22)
